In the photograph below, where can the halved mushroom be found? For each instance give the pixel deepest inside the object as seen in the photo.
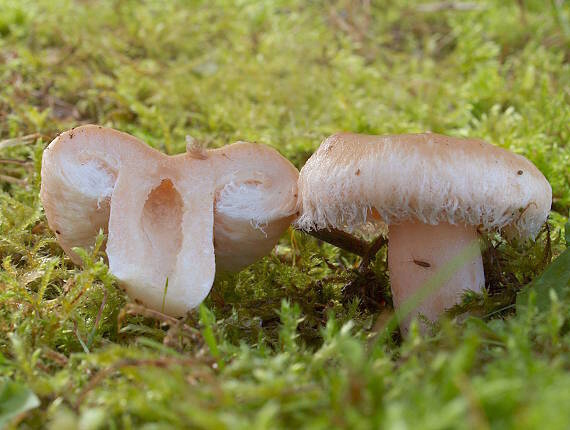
(169, 219)
(434, 192)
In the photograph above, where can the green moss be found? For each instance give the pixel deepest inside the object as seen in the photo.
(300, 339)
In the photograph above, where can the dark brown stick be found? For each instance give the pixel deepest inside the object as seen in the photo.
(342, 239)
(350, 243)
(375, 246)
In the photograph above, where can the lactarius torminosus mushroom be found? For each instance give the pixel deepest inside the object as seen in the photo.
(434, 192)
(168, 217)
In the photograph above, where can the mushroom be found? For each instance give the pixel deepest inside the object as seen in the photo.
(435, 192)
(170, 219)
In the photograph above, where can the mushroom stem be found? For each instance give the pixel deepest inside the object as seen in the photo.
(418, 252)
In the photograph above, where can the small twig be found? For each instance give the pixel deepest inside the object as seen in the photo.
(547, 258)
(6, 143)
(134, 309)
(59, 358)
(15, 161)
(72, 302)
(350, 243)
(367, 251)
(342, 239)
(12, 180)
(368, 288)
(378, 243)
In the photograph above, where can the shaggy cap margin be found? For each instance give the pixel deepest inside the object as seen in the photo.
(427, 177)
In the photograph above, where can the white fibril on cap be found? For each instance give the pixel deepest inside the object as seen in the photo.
(167, 217)
(433, 191)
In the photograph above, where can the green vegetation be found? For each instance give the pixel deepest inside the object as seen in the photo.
(283, 344)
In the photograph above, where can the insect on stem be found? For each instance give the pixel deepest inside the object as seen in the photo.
(164, 295)
(421, 263)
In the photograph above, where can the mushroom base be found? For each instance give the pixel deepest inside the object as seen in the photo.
(416, 253)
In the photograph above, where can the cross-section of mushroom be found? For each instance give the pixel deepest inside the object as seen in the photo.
(434, 192)
(169, 219)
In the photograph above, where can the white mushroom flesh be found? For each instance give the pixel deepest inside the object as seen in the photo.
(159, 210)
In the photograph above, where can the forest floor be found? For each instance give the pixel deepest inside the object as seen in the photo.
(283, 343)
